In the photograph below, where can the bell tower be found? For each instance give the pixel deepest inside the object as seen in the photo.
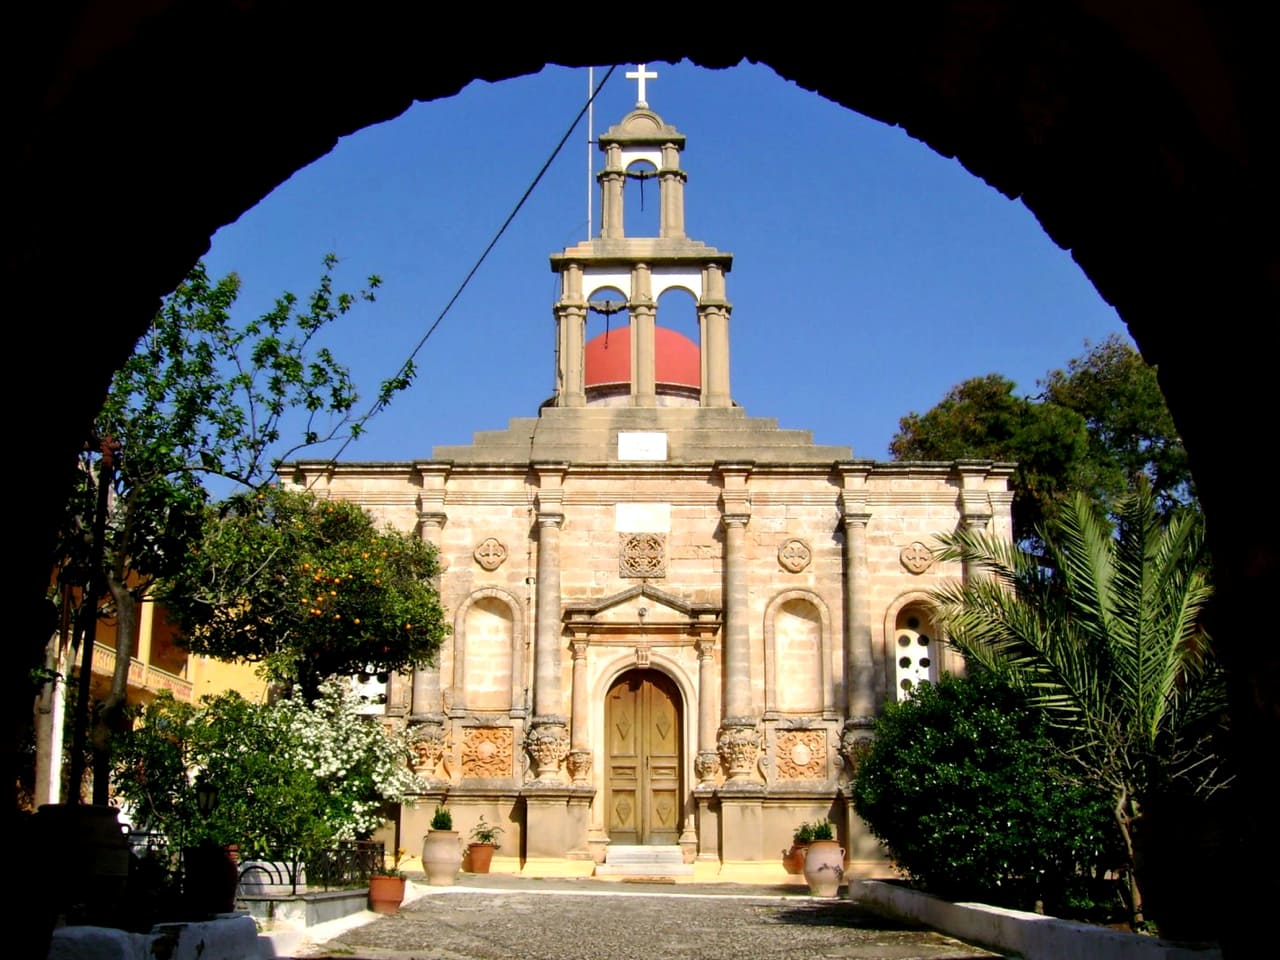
(641, 268)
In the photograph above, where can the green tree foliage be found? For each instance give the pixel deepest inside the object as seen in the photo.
(1105, 634)
(308, 588)
(1132, 436)
(293, 776)
(982, 419)
(1099, 425)
(201, 397)
(961, 786)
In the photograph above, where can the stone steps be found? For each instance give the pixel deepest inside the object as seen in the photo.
(658, 864)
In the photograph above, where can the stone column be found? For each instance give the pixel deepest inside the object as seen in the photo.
(975, 507)
(739, 740)
(713, 323)
(671, 188)
(611, 179)
(859, 658)
(579, 762)
(571, 318)
(426, 696)
(708, 761)
(643, 354)
(548, 739)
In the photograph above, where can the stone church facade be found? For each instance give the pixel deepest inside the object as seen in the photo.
(672, 624)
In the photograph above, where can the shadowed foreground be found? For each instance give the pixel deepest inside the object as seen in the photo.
(580, 920)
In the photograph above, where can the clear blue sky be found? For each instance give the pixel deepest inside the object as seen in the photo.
(870, 273)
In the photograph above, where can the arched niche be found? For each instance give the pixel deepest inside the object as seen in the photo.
(798, 650)
(488, 654)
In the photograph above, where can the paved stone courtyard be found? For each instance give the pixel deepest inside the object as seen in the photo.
(589, 920)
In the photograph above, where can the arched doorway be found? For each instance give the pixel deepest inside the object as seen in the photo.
(643, 724)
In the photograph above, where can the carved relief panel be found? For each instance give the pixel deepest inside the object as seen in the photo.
(487, 751)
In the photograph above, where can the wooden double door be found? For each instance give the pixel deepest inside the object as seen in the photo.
(642, 773)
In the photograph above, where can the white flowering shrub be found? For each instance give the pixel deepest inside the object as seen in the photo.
(291, 775)
(358, 761)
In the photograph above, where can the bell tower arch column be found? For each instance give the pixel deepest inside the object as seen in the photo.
(713, 323)
(644, 362)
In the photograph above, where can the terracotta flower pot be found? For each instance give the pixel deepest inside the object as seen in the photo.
(824, 868)
(480, 856)
(385, 894)
(210, 879)
(793, 858)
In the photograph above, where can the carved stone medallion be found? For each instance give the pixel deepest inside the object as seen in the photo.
(643, 555)
(794, 555)
(916, 558)
(801, 755)
(491, 553)
(486, 752)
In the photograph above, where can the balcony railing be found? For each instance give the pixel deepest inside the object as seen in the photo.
(142, 675)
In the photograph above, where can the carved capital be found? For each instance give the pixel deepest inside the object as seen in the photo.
(705, 765)
(548, 745)
(579, 765)
(739, 748)
(429, 743)
(855, 744)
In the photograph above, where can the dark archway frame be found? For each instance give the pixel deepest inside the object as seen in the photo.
(1141, 135)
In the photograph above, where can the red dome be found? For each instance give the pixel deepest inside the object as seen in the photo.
(608, 358)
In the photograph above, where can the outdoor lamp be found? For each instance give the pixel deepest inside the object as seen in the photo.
(206, 796)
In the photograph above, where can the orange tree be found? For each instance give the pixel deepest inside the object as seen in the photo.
(307, 588)
(206, 396)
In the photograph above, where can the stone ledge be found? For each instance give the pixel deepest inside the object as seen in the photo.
(1028, 935)
(226, 938)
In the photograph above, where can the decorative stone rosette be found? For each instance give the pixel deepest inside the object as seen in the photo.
(915, 558)
(642, 555)
(548, 745)
(739, 749)
(794, 555)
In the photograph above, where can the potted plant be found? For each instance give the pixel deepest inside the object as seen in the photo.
(793, 858)
(484, 841)
(386, 885)
(441, 850)
(824, 861)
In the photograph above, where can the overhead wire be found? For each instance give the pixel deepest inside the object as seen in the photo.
(406, 366)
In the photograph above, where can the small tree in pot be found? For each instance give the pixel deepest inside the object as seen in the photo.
(484, 841)
(441, 850)
(793, 858)
(824, 861)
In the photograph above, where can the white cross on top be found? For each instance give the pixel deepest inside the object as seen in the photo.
(640, 75)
